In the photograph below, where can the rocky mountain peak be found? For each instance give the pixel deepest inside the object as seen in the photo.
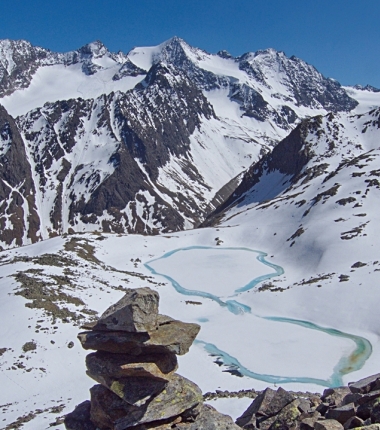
(172, 51)
(224, 54)
(19, 60)
(300, 81)
(367, 87)
(94, 49)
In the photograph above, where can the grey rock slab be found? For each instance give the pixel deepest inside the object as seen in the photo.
(304, 405)
(308, 423)
(123, 365)
(79, 419)
(365, 398)
(365, 385)
(328, 425)
(209, 419)
(352, 398)
(171, 335)
(364, 410)
(353, 422)
(285, 419)
(335, 396)
(267, 404)
(134, 390)
(109, 411)
(137, 311)
(116, 342)
(341, 414)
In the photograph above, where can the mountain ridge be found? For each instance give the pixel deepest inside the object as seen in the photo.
(161, 133)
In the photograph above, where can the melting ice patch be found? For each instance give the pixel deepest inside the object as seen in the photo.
(218, 274)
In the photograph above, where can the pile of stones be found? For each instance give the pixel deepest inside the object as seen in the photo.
(343, 408)
(135, 364)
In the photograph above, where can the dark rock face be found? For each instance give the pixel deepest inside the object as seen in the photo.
(342, 414)
(25, 60)
(19, 218)
(288, 158)
(79, 419)
(251, 102)
(147, 125)
(336, 396)
(304, 83)
(367, 87)
(128, 69)
(21, 60)
(298, 159)
(365, 385)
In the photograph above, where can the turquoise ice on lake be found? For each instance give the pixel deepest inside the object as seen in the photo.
(346, 364)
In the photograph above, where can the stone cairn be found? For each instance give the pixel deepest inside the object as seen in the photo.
(134, 364)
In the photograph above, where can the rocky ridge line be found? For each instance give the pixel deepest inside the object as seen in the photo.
(342, 408)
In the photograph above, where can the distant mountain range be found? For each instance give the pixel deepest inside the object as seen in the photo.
(159, 139)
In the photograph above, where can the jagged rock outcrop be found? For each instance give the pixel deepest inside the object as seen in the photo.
(312, 156)
(135, 366)
(340, 408)
(289, 157)
(19, 220)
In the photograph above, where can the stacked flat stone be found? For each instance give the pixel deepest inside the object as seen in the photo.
(135, 363)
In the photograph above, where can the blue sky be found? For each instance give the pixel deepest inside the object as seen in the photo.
(341, 38)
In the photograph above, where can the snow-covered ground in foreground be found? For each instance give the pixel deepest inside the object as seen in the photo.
(96, 270)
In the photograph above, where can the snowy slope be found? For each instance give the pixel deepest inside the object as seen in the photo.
(184, 132)
(318, 219)
(310, 323)
(32, 76)
(366, 96)
(84, 273)
(60, 82)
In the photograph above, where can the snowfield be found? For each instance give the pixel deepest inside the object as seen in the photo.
(98, 267)
(59, 82)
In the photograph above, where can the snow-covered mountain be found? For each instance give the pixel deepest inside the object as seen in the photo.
(314, 201)
(280, 164)
(150, 141)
